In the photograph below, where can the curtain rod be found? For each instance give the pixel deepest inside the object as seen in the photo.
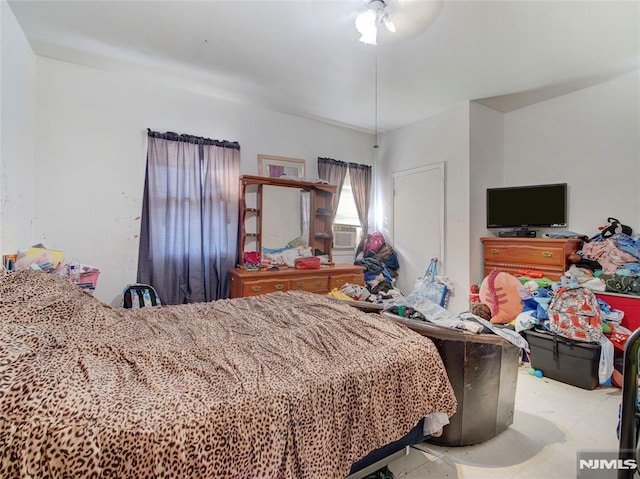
(170, 135)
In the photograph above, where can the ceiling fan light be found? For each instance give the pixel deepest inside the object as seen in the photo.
(369, 38)
(366, 26)
(365, 21)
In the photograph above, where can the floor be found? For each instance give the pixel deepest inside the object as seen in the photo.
(552, 421)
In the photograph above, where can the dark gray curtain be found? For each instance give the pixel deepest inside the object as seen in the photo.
(360, 177)
(188, 239)
(334, 172)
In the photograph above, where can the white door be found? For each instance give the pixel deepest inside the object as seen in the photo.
(417, 221)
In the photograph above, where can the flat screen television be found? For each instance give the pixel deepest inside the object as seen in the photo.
(525, 207)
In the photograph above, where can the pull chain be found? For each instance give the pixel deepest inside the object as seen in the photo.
(375, 83)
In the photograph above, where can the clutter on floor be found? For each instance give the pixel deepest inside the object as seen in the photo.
(574, 334)
(381, 266)
(529, 305)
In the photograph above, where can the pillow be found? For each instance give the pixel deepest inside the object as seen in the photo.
(500, 292)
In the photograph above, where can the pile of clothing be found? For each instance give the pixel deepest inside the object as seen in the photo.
(609, 261)
(381, 265)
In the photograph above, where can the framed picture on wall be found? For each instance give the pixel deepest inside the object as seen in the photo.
(279, 166)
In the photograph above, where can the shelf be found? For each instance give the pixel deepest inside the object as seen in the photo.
(323, 212)
(306, 185)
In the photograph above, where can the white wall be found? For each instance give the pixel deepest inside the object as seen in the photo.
(486, 158)
(91, 153)
(17, 133)
(441, 138)
(588, 139)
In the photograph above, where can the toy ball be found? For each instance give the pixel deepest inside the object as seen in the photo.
(606, 328)
(538, 373)
(532, 371)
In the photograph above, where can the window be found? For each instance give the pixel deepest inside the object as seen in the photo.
(188, 237)
(346, 224)
(347, 213)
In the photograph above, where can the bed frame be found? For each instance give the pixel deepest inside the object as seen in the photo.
(370, 469)
(383, 456)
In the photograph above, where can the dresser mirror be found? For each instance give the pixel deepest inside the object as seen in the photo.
(285, 215)
(276, 211)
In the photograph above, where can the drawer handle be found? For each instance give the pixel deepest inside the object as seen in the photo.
(255, 289)
(300, 284)
(279, 287)
(339, 281)
(495, 251)
(319, 283)
(547, 254)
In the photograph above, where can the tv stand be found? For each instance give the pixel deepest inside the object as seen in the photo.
(518, 233)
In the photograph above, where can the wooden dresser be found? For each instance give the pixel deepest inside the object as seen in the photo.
(246, 282)
(544, 255)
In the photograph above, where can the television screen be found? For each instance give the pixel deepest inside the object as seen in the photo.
(526, 206)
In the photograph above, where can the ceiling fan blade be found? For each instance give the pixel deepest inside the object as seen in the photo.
(410, 17)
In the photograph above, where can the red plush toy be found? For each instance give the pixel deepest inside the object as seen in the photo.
(500, 291)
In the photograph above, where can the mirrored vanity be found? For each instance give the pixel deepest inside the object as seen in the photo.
(275, 213)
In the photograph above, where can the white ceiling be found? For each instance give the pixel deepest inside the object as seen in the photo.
(303, 57)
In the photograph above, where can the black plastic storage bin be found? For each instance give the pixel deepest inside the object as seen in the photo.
(571, 362)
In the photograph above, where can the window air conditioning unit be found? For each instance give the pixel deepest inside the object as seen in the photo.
(345, 237)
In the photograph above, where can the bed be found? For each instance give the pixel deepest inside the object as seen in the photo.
(284, 385)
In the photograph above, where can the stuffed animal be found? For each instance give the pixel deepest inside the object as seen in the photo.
(531, 285)
(480, 309)
(500, 291)
(542, 297)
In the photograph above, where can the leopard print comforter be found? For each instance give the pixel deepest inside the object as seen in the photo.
(286, 385)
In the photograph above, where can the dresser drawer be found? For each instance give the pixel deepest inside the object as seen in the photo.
(524, 253)
(313, 284)
(338, 280)
(246, 282)
(264, 286)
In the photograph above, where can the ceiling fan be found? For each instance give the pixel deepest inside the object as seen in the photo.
(401, 19)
